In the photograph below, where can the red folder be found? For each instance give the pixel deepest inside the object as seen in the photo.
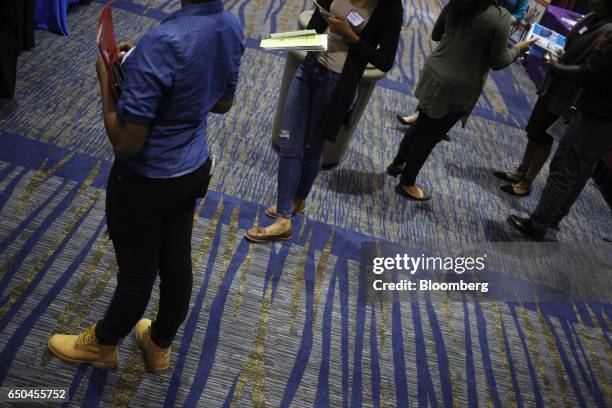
(105, 35)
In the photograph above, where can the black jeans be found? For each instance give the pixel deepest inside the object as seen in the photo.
(150, 223)
(583, 143)
(419, 141)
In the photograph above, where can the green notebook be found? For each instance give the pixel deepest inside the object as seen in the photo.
(304, 40)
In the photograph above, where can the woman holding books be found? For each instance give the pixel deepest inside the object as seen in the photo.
(322, 93)
(472, 36)
(556, 95)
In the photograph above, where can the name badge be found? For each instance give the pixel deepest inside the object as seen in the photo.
(355, 18)
(582, 30)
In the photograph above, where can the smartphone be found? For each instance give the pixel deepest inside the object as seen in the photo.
(322, 10)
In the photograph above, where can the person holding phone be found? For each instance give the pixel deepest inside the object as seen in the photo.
(321, 94)
(587, 138)
(162, 164)
(555, 96)
(473, 37)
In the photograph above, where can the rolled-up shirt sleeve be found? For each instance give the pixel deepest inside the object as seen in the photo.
(149, 73)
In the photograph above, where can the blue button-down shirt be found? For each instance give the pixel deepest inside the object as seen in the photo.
(516, 7)
(175, 75)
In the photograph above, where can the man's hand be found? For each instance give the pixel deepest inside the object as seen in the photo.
(122, 49)
(125, 47)
(524, 46)
(550, 59)
(341, 26)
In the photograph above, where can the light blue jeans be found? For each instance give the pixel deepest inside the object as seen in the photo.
(301, 144)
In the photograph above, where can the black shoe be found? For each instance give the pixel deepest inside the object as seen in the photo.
(525, 226)
(394, 170)
(400, 190)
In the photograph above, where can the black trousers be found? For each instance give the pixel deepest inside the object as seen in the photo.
(16, 35)
(584, 142)
(150, 223)
(419, 141)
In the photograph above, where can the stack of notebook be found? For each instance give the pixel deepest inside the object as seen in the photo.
(304, 40)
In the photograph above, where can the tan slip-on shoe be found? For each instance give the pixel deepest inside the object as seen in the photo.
(158, 359)
(84, 348)
(259, 235)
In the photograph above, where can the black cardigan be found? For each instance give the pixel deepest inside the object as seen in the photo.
(377, 45)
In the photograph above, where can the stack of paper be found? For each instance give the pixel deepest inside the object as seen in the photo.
(304, 40)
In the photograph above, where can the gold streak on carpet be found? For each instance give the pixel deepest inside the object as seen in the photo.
(449, 322)
(244, 268)
(298, 283)
(502, 345)
(242, 283)
(76, 293)
(41, 175)
(88, 181)
(500, 339)
(198, 211)
(534, 346)
(133, 373)
(302, 229)
(554, 354)
(601, 333)
(95, 294)
(320, 274)
(208, 237)
(230, 244)
(130, 380)
(594, 357)
(7, 265)
(253, 371)
(251, 23)
(384, 317)
(59, 239)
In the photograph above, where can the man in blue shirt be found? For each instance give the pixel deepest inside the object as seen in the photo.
(517, 9)
(177, 73)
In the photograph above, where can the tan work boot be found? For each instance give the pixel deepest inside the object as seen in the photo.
(157, 358)
(83, 348)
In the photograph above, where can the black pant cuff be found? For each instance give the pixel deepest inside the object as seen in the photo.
(158, 340)
(102, 337)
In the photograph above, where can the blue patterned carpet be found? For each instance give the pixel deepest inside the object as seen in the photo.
(281, 324)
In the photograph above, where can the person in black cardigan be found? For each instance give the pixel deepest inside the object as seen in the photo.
(322, 92)
(555, 96)
(587, 138)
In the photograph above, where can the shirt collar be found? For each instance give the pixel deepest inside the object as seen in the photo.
(200, 9)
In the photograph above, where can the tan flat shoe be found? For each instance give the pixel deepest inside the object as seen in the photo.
(259, 235)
